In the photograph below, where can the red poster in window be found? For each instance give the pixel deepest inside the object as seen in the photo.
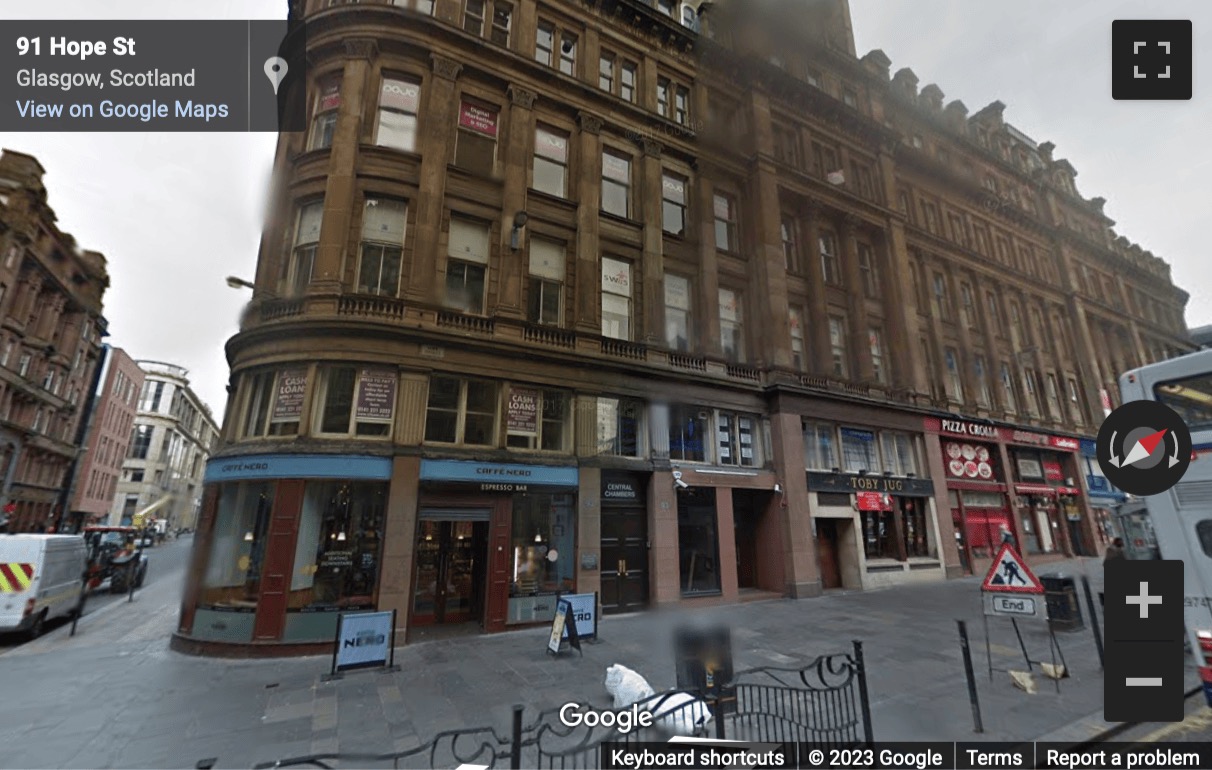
(478, 119)
(1052, 470)
(870, 501)
(330, 96)
(399, 95)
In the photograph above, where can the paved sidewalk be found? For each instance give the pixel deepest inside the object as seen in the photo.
(116, 696)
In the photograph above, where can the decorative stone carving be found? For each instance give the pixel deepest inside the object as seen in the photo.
(651, 147)
(851, 223)
(361, 48)
(446, 68)
(522, 97)
(589, 123)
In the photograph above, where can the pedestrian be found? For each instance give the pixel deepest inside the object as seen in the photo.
(1007, 536)
(1115, 551)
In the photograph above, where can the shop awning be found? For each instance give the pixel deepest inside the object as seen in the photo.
(1068, 491)
(1034, 489)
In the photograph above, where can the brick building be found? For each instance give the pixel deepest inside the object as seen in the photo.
(595, 297)
(108, 437)
(50, 342)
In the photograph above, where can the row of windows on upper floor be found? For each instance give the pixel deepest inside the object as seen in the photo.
(359, 401)
(177, 452)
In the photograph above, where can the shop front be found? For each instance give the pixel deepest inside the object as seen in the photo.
(1050, 504)
(284, 544)
(874, 530)
(495, 544)
(1104, 498)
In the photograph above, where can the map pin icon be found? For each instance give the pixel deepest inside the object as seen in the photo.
(276, 69)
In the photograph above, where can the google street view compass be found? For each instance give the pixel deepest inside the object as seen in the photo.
(1144, 448)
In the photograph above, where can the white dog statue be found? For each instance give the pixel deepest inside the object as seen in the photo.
(626, 686)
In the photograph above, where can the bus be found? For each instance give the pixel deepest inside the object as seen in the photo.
(1182, 516)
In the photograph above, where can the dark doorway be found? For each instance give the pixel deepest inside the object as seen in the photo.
(827, 553)
(451, 571)
(624, 559)
(745, 515)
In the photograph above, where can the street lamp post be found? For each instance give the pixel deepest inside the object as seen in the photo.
(239, 283)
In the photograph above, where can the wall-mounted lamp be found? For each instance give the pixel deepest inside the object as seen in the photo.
(341, 536)
(538, 537)
(515, 236)
(778, 489)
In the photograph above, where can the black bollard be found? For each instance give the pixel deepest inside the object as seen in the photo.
(1094, 620)
(968, 672)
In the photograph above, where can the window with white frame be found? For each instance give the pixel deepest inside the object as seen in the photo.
(983, 394)
(732, 330)
(502, 16)
(461, 411)
(383, 223)
(303, 250)
(620, 426)
(324, 113)
(820, 446)
(616, 299)
(616, 184)
(1010, 402)
(546, 291)
(673, 204)
(476, 140)
(869, 271)
(628, 78)
(954, 377)
(859, 451)
(355, 401)
(796, 322)
(606, 65)
(677, 312)
(537, 418)
(875, 340)
(688, 433)
(467, 264)
(399, 103)
(736, 439)
(1054, 403)
(550, 162)
(791, 246)
(725, 223)
(421, 6)
(837, 346)
(899, 453)
(568, 53)
(830, 265)
(273, 403)
(473, 17)
(967, 306)
(544, 52)
(1032, 395)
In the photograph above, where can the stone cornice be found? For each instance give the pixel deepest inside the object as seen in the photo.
(521, 97)
(361, 48)
(446, 68)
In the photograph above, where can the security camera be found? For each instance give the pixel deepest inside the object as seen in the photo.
(681, 484)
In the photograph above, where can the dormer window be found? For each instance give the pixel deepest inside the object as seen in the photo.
(690, 17)
(667, 7)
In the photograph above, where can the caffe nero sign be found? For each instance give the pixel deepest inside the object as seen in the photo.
(850, 483)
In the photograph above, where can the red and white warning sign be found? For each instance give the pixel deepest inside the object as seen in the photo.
(1010, 574)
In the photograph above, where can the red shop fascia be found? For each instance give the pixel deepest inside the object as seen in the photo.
(981, 468)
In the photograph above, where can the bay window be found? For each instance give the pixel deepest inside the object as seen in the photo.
(324, 113)
(383, 223)
(616, 299)
(547, 270)
(399, 102)
(467, 264)
(537, 419)
(356, 401)
(461, 411)
(303, 249)
(620, 426)
(273, 402)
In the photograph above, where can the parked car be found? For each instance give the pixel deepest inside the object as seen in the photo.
(40, 579)
(114, 556)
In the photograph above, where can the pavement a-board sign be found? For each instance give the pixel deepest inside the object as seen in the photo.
(561, 627)
(585, 614)
(1010, 588)
(364, 640)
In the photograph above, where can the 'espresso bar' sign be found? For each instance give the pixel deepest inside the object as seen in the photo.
(850, 483)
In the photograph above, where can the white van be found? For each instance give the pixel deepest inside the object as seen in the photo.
(40, 579)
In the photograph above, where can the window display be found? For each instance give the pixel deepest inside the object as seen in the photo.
(233, 574)
(338, 549)
(698, 542)
(544, 541)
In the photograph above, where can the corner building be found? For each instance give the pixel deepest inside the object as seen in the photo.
(596, 298)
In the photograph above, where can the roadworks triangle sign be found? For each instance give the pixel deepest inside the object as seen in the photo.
(1009, 574)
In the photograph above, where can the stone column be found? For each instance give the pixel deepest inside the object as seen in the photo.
(725, 521)
(589, 529)
(909, 371)
(525, 28)
(705, 316)
(818, 307)
(800, 569)
(516, 155)
(663, 531)
(589, 202)
(860, 325)
(1089, 373)
(436, 144)
(767, 302)
(993, 361)
(399, 541)
(652, 285)
(340, 194)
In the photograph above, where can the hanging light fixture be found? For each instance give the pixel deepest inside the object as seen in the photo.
(341, 536)
(538, 537)
(248, 536)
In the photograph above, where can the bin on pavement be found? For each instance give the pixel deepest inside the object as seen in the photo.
(1060, 596)
(704, 660)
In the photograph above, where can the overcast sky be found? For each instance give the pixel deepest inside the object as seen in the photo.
(176, 213)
